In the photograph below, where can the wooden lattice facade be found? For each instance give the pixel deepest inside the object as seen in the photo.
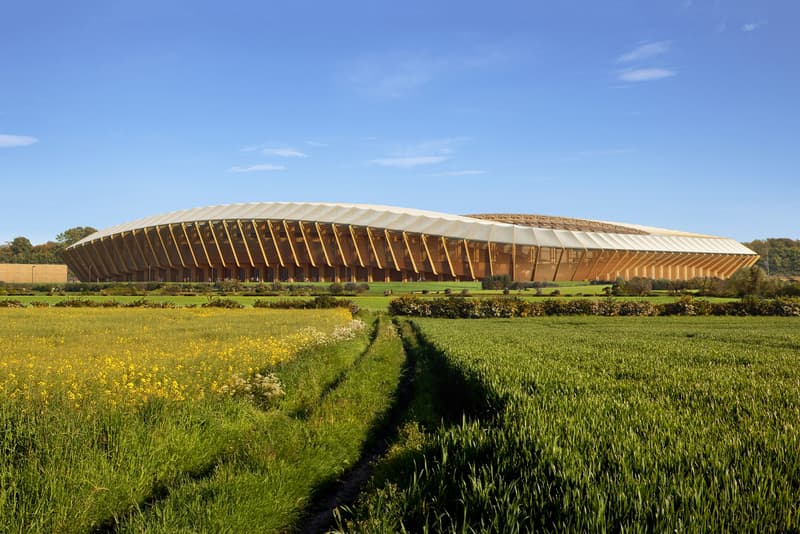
(180, 248)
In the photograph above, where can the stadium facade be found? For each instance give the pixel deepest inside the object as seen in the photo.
(309, 241)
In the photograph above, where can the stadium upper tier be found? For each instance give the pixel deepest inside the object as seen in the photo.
(312, 241)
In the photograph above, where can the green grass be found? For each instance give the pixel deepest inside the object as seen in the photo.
(214, 464)
(596, 424)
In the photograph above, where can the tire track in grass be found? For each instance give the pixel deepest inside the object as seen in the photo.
(319, 515)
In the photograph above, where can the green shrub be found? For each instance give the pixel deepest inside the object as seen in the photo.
(222, 303)
(467, 308)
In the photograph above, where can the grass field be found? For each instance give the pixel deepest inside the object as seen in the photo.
(155, 420)
(217, 420)
(596, 424)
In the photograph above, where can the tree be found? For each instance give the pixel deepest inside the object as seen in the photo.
(20, 250)
(748, 281)
(73, 235)
(779, 255)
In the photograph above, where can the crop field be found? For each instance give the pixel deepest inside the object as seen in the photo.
(157, 420)
(594, 424)
(116, 356)
(240, 420)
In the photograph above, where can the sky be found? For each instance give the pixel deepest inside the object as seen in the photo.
(681, 114)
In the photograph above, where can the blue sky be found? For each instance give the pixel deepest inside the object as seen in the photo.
(683, 114)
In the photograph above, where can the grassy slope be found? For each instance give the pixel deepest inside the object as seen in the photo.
(600, 424)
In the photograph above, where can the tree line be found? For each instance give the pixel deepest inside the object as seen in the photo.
(21, 250)
(780, 256)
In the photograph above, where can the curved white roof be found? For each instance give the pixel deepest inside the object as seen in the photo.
(435, 223)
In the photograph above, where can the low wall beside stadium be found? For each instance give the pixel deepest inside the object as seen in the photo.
(36, 273)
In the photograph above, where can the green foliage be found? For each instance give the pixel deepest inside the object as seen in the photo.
(222, 303)
(73, 235)
(20, 249)
(748, 281)
(637, 286)
(319, 302)
(493, 307)
(779, 256)
(602, 425)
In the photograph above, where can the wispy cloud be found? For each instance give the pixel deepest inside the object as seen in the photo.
(441, 146)
(258, 168)
(391, 75)
(645, 51)
(645, 75)
(467, 172)
(409, 161)
(284, 152)
(752, 26)
(316, 144)
(428, 152)
(9, 141)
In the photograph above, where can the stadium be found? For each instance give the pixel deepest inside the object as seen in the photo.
(332, 242)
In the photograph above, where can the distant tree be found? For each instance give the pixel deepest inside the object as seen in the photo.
(780, 256)
(21, 247)
(636, 286)
(748, 281)
(73, 235)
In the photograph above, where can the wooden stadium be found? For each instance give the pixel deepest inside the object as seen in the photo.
(328, 242)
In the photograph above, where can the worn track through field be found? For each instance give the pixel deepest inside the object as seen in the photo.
(319, 514)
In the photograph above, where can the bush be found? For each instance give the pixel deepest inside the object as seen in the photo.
(317, 303)
(222, 303)
(454, 307)
(336, 289)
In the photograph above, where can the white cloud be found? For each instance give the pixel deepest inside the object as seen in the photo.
(645, 51)
(645, 75)
(407, 162)
(9, 141)
(284, 152)
(258, 168)
(752, 26)
(469, 172)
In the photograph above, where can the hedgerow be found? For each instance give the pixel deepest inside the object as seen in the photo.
(466, 308)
